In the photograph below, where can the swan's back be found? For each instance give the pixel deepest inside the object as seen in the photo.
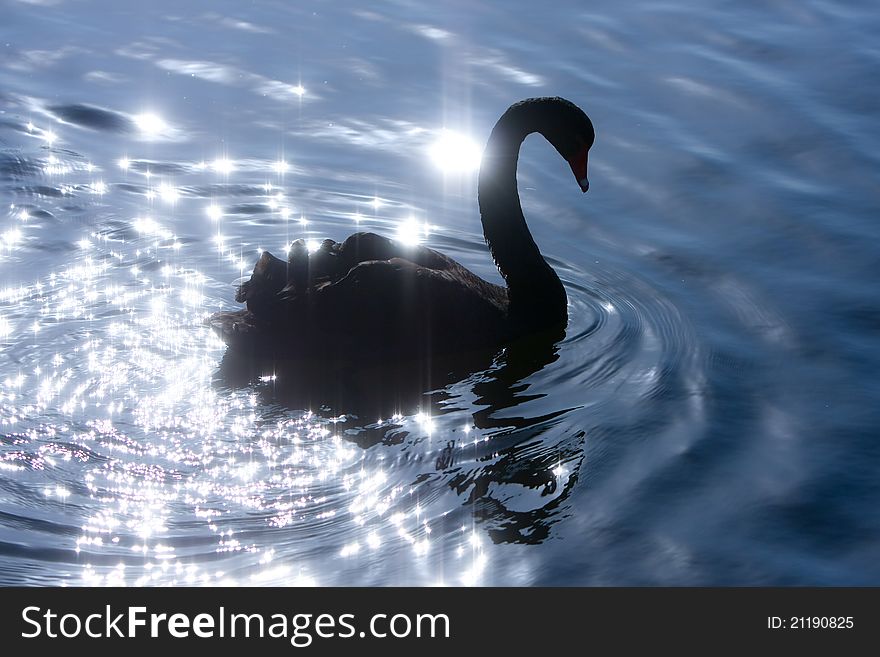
(369, 299)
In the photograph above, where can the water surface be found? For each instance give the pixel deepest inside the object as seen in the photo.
(708, 419)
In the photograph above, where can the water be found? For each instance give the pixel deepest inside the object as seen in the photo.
(710, 417)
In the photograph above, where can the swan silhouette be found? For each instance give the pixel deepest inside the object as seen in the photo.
(372, 298)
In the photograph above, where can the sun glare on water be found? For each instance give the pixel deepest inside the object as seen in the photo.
(151, 125)
(412, 233)
(454, 152)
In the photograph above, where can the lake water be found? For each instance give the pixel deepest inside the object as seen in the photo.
(710, 418)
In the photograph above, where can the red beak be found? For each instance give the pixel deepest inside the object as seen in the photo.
(578, 165)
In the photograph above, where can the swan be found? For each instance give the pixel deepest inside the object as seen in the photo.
(369, 297)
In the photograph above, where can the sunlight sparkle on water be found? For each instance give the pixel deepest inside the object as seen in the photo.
(350, 549)
(223, 165)
(454, 152)
(471, 576)
(55, 167)
(168, 193)
(151, 125)
(11, 237)
(149, 226)
(425, 421)
(214, 212)
(412, 233)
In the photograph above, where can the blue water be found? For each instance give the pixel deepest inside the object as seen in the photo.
(709, 419)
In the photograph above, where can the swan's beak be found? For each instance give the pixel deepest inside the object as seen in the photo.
(578, 165)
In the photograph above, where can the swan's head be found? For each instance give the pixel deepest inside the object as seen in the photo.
(571, 132)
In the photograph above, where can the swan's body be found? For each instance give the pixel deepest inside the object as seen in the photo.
(369, 297)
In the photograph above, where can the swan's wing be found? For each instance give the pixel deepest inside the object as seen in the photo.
(368, 247)
(400, 302)
(373, 290)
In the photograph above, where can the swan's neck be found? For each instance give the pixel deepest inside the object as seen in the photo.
(535, 293)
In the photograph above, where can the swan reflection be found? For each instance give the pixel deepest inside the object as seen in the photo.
(472, 468)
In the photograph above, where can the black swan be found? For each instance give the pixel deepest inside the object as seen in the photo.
(371, 298)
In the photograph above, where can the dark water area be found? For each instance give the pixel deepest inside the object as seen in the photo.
(709, 418)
